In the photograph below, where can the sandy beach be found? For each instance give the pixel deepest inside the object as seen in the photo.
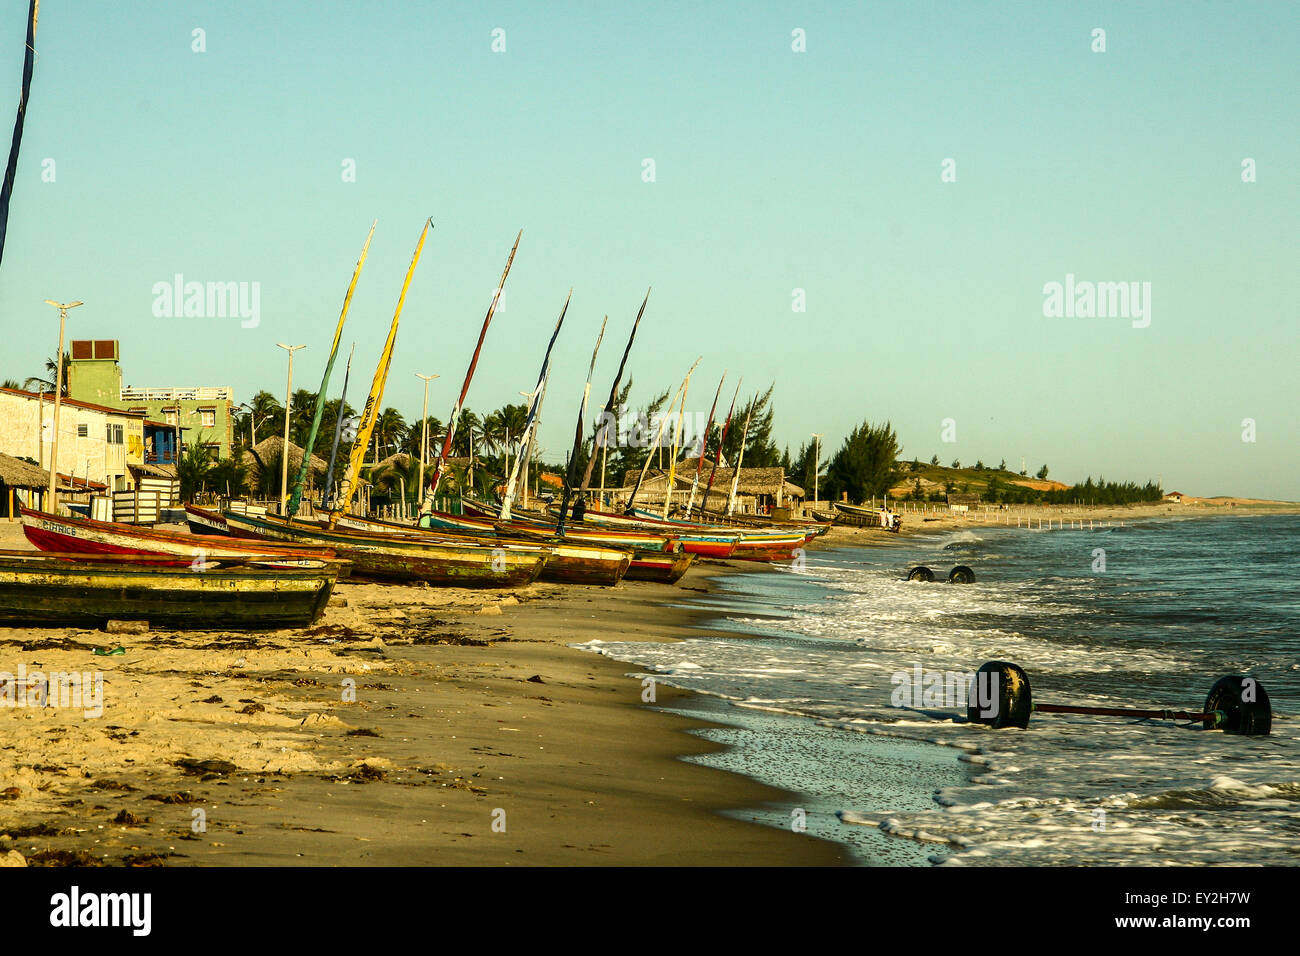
(477, 737)
(409, 726)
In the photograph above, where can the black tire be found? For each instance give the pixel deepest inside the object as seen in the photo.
(920, 573)
(961, 575)
(1003, 699)
(1249, 718)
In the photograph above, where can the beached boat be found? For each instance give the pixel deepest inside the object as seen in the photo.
(861, 517)
(569, 563)
(540, 530)
(394, 558)
(654, 566)
(85, 536)
(750, 544)
(87, 590)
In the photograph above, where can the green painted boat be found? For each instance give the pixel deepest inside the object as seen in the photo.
(569, 563)
(85, 590)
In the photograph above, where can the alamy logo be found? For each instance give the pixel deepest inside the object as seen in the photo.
(1098, 300)
(926, 688)
(134, 910)
(208, 300)
(82, 691)
(637, 430)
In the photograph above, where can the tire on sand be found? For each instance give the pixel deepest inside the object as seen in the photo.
(920, 573)
(1000, 696)
(1244, 703)
(961, 575)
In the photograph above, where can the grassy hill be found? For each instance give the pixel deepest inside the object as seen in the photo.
(936, 478)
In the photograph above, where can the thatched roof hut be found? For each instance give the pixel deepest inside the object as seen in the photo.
(758, 489)
(267, 452)
(770, 482)
(17, 473)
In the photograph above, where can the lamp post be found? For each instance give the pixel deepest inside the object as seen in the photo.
(288, 402)
(817, 464)
(252, 423)
(424, 428)
(63, 308)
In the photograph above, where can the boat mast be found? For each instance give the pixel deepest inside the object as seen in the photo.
(613, 392)
(532, 413)
(740, 457)
(571, 472)
(327, 495)
(677, 434)
(295, 496)
(11, 169)
(371, 411)
(704, 504)
(426, 506)
(704, 446)
(645, 467)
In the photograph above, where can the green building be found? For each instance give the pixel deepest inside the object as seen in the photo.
(203, 415)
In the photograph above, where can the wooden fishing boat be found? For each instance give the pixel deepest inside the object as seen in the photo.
(695, 539)
(750, 544)
(569, 563)
(861, 517)
(538, 530)
(654, 566)
(394, 558)
(88, 590)
(738, 523)
(84, 536)
(201, 521)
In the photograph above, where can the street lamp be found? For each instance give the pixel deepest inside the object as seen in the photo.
(424, 427)
(284, 452)
(63, 308)
(252, 423)
(817, 464)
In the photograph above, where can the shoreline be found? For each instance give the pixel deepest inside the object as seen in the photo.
(248, 737)
(238, 749)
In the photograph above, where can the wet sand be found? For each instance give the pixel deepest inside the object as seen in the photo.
(471, 734)
(476, 737)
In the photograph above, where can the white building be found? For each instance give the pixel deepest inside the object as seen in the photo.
(97, 444)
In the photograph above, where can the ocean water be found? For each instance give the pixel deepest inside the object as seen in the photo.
(811, 667)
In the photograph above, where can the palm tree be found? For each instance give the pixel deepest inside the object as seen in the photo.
(468, 421)
(390, 427)
(36, 383)
(192, 468)
(11, 383)
(301, 415)
(267, 412)
(399, 476)
(493, 435)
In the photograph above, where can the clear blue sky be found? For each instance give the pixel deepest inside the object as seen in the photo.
(775, 170)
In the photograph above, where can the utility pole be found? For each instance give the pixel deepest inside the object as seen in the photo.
(424, 430)
(284, 452)
(817, 464)
(63, 308)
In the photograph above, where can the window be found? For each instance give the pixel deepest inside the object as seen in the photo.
(169, 416)
(207, 418)
(83, 431)
(114, 434)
